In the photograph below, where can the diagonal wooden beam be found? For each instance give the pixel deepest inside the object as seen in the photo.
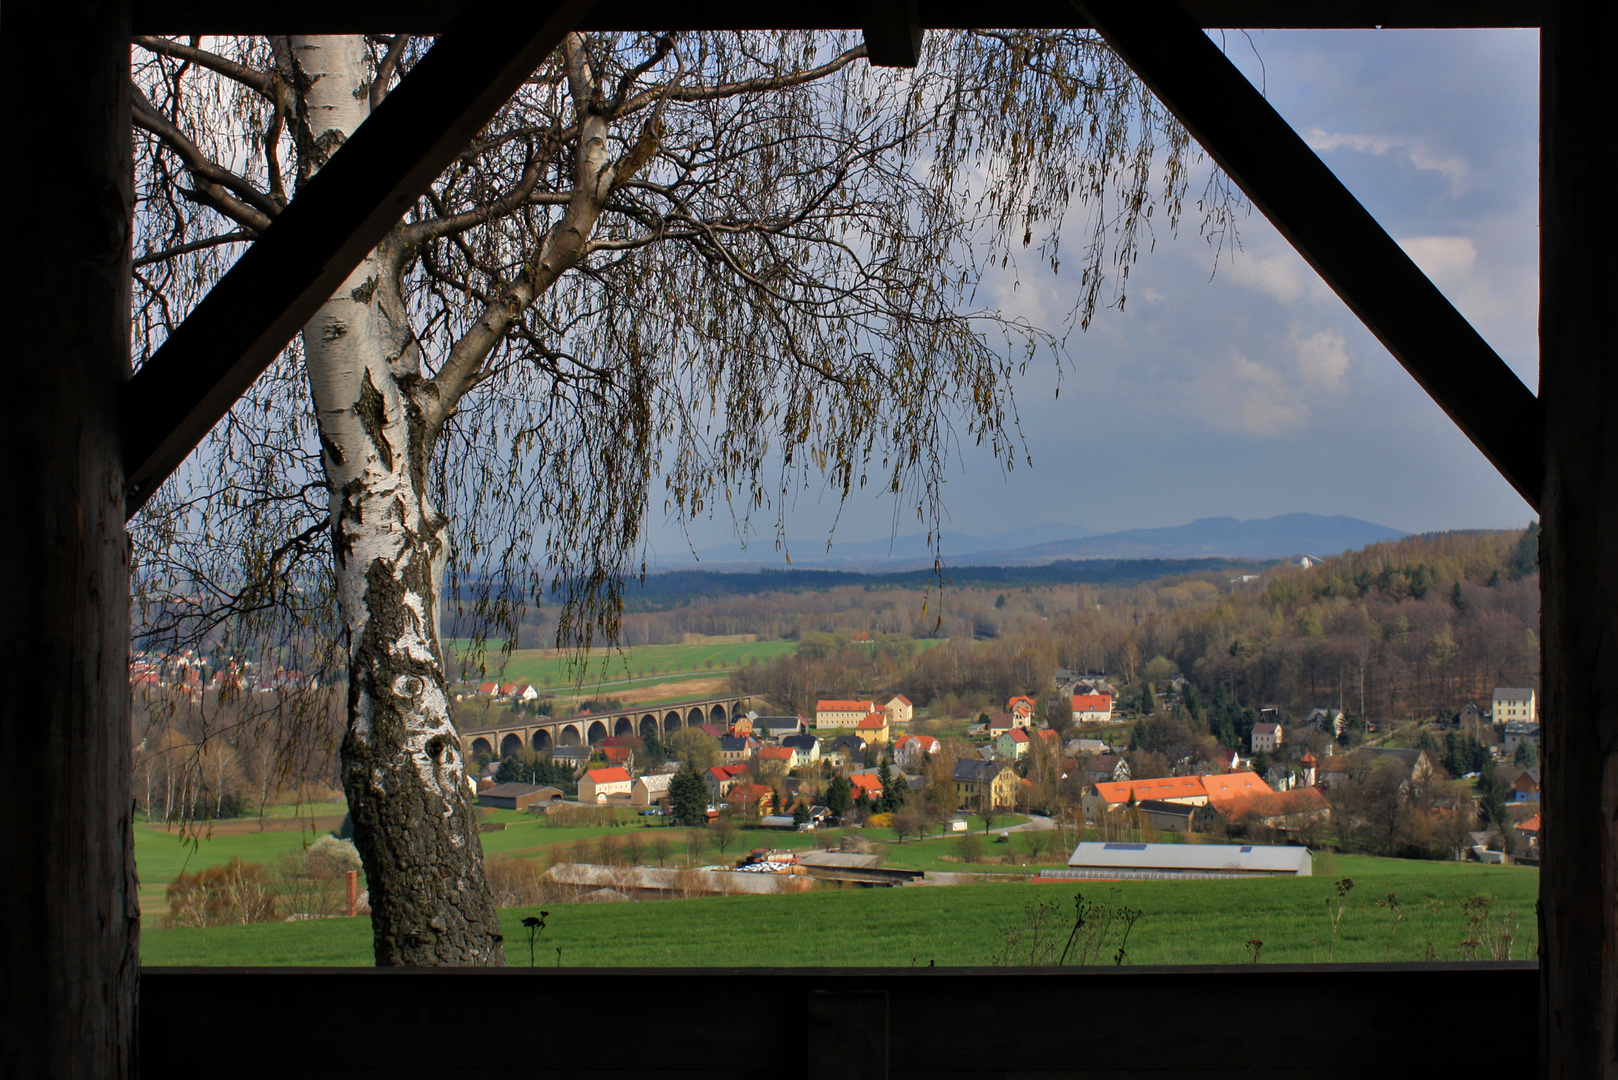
(363, 191)
(1328, 226)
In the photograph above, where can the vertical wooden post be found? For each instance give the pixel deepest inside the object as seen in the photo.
(68, 919)
(1579, 550)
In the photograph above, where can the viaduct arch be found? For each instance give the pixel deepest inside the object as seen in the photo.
(543, 734)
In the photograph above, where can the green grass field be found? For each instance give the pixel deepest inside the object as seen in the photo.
(1189, 922)
(161, 855)
(631, 665)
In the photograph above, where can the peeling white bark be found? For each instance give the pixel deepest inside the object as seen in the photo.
(403, 770)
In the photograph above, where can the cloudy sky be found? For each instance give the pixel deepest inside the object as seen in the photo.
(1250, 390)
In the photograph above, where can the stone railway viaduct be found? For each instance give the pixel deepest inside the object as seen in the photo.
(542, 733)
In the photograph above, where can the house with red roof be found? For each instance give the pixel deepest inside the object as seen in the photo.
(1012, 744)
(1092, 708)
(599, 785)
(866, 784)
(1021, 706)
(721, 778)
(619, 755)
(749, 799)
(842, 714)
(1530, 832)
(912, 750)
(489, 689)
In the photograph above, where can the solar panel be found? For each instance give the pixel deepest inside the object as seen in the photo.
(1124, 847)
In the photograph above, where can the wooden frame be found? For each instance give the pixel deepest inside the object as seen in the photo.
(67, 988)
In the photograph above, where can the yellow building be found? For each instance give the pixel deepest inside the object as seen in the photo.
(873, 729)
(980, 784)
(898, 710)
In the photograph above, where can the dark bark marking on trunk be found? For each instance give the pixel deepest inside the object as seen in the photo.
(372, 411)
(333, 451)
(363, 294)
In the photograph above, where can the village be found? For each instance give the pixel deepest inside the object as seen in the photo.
(1467, 786)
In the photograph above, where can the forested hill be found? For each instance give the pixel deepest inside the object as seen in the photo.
(681, 586)
(1397, 630)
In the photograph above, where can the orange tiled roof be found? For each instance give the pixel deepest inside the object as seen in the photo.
(872, 722)
(776, 753)
(1235, 785)
(845, 706)
(609, 776)
(1092, 702)
(1169, 787)
(868, 781)
(1272, 803)
(1531, 825)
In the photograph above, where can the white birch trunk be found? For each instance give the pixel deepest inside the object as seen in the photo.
(414, 822)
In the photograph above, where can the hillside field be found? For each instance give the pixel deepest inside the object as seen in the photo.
(1186, 922)
(549, 669)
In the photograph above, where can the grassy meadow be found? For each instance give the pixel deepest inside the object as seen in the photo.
(549, 669)
(1181, 922)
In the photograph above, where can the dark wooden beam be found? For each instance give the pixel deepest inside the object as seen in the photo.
(69, 924)
(893, 32)
(431, 16)
(1578, 340)
(253, 312)
(831, 1023)
(1330, 229)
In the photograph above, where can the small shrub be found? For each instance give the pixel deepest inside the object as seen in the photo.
(518, 883)
(969, 847)
(230, 894)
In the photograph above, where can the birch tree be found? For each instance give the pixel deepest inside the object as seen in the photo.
(703, 272)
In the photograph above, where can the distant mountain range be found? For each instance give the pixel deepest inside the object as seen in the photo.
(1261, 538)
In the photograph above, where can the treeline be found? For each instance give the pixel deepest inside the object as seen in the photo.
(774, 604)
(1399, 629)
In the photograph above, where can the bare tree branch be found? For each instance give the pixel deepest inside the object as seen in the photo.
(220, 188)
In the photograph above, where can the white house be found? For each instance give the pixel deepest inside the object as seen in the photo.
(649, 789)
(1266, 738)
(805, 749)
(1092, 708)
(598, 785)
(912, 750)
(1514, 703)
